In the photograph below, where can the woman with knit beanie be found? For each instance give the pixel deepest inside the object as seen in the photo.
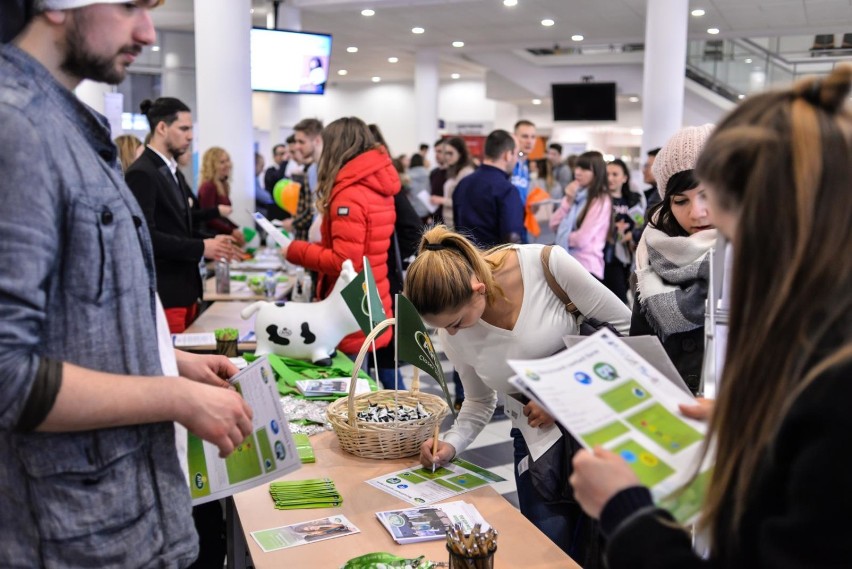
(672, 264)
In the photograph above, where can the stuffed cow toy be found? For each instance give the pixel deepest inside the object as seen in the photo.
(304, 330)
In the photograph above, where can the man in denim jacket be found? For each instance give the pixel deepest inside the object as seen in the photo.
(89, 475)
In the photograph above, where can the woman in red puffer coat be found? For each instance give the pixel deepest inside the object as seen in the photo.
(355, 189)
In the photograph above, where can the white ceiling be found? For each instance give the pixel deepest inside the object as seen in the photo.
(487, 26)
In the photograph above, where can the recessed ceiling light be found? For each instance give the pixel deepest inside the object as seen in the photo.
(417, 30)
(547, 22)
(510, 3)
(637, 131)
(698, 13)
(352, 49)
(577, 37)
(741, 96)
(458, 44)
(376, 79)
(251, 11)
(368, 12)
(155, 48)
(633, 99)
(748, 60)
(536, 101)
(712, 31)
(393, 59)
(342, 72)
(455, 75)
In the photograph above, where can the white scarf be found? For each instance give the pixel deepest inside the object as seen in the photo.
(672, 275)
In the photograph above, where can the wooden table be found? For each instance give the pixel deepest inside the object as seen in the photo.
(241, 291)
(223, 315)
(520, 544)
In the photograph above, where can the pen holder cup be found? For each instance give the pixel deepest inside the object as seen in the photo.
(227, 348)
(459, 561)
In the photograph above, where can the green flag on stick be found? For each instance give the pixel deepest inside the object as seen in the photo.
(414, 346)
(355, 297)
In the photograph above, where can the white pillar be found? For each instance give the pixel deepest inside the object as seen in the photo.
(92, 93)
(223, 84)
(664, 71)
(426, 97)
(284, 109)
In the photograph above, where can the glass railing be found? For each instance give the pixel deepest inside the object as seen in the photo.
(735, 68)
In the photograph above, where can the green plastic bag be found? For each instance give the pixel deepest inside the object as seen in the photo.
(382, 560)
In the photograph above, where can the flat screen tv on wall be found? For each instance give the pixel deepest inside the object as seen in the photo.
(583, 101)
(284, 61)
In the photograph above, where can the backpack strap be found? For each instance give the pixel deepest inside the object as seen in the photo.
(554, 286)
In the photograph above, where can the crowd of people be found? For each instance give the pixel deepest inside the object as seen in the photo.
(110, 248)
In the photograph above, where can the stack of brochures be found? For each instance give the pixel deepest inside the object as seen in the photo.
(304, 494)
(304, 448)
(430, 522)
(331, 386)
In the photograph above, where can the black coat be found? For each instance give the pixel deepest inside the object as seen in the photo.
(168, 213)
(685, 350)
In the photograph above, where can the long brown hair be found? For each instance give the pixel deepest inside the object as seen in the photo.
(439, 278)
(342, 140)
(783, 162)
(598, 189)
(127, 145)
(208, 170)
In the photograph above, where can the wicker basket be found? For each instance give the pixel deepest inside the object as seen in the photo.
(396, 439)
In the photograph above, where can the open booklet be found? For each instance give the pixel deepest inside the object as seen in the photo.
(420, 486)
(430, 522)
(266, 454)
(606, 394)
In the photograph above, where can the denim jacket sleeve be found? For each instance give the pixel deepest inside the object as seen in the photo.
(29, 242)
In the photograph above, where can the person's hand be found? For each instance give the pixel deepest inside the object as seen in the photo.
(599, 476)
(701, 411)
(224, 210)
(210, 369)
(238, 236)
(571, 190)
(221, 247)
(219, 416)
(287, 224)
(536, 416)
(446, 453)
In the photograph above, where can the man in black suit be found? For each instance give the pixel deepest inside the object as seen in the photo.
(166, 201)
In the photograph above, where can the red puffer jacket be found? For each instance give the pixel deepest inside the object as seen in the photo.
(359, 221)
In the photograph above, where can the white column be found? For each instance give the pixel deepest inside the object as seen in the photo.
(664, 71)
(426, 97)
(284, 109)
(92, 93)
(223, 84)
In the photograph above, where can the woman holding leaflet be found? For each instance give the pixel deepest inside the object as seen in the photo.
(777, 171)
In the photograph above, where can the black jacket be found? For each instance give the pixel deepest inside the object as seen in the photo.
(796, 513)
(685, 350)
(169, 216)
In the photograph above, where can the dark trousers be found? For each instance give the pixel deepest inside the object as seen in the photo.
(210, 526)
(617, 278)
(564, 523)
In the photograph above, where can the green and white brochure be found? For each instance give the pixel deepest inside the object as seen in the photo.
(266, 454)
(420, 486)
(605, 394)
(304, 532)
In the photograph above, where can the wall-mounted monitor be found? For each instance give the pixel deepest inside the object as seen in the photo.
(583, 101)
(284, 61)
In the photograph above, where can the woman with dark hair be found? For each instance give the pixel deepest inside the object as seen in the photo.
(459, 165)
(628, 213)
(583, 221)
(777, 172)
(355, 195)
(672, 265)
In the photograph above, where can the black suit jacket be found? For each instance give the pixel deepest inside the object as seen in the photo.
(166, 205)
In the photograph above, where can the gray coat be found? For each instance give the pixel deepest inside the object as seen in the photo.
(77, 285)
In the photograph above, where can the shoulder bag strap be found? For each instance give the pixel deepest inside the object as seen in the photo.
(554, 286)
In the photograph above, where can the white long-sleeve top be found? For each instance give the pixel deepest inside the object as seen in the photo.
(479, 353)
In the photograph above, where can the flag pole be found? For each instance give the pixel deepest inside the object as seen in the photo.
(365, 262)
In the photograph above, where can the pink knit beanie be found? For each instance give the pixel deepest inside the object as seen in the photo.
(679, 153)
